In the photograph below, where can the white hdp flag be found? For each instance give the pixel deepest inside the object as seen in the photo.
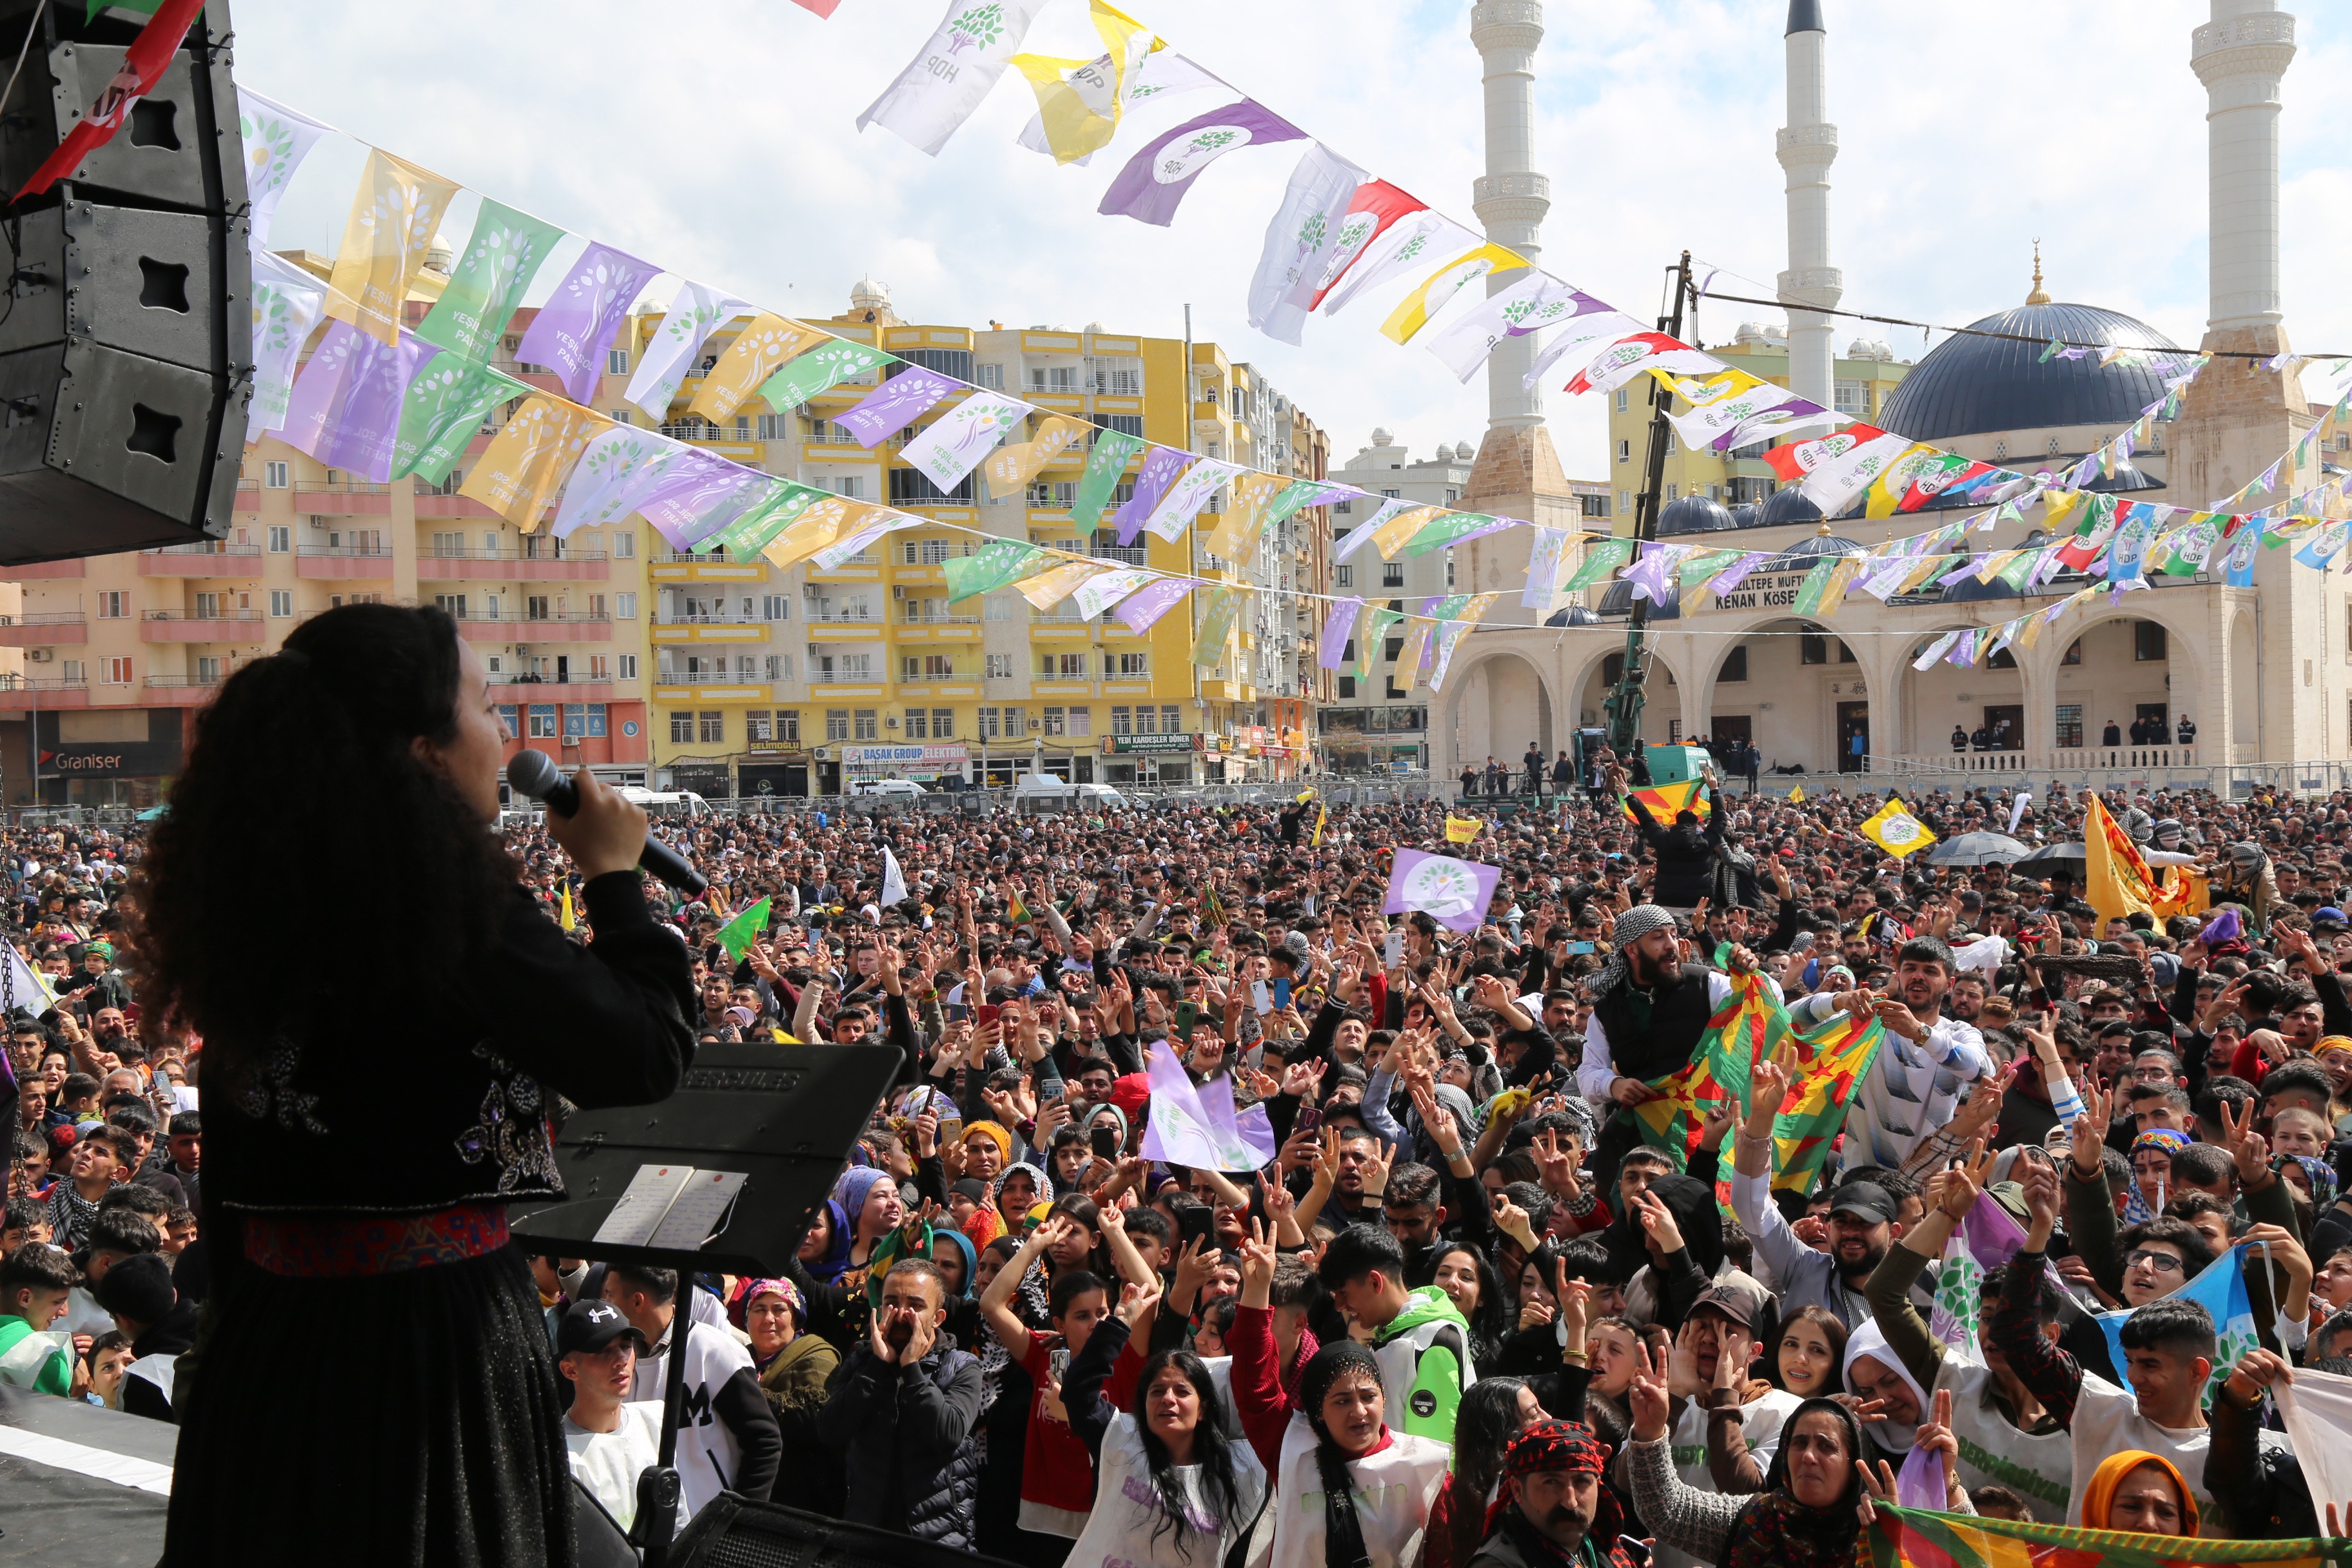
(2317, 1409)
(1530, 305)
(1412, 244)
(894, 880)
(1837, 481)
(1299, 242)
(29, 991)
(697, 312)
(277, 140)
(2017, 810)
(953, 71)
(287, 303)
(952, 444)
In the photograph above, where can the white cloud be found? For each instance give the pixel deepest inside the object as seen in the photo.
(722, 143)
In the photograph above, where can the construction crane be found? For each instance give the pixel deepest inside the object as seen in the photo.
(1624, 705)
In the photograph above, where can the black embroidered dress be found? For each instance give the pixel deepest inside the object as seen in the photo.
(375, 1385)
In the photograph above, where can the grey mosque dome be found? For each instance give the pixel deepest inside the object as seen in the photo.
(1802, 555)
(1788, 504)
(1694, 513)
(1970, 385)
(1574, 615)
(1619, 601)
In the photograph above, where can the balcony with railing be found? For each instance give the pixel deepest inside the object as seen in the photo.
(1125, 555)
(433, 505)
(19, 693)
(181, 691)
(357, 499)
(443, 564)
(188, 627)
(529, 629)
(343, 562)
(851, 677)
(526, 689)
(64, 627)
(209, 559)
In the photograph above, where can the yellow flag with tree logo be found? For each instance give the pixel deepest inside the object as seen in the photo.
(1414, 310)
(1894, 829)
(528, 461)
(762, 348)
(393, 219)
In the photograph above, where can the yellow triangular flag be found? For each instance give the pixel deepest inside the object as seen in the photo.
(1895, 830)
(563, 914)
(1797, 795)
(1414, 311)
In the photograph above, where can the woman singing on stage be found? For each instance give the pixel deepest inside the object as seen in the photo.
(386, 1017)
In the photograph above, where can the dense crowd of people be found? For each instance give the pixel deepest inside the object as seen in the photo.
(1469, 1311)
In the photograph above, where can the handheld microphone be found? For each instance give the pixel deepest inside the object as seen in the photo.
(534, 774)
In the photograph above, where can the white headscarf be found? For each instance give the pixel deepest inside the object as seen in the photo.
(1870, 1340)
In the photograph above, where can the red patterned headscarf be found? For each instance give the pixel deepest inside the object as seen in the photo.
(1573, 1447)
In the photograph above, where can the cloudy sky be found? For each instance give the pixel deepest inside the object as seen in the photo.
(722, 143)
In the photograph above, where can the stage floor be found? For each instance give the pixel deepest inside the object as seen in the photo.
(81, 1486)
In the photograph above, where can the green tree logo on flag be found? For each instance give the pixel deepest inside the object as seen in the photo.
(268, 147)
(274, 316)
(976, 29)
(1311, 233)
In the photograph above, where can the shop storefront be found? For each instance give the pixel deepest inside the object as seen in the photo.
(933, 764)
(1373, 739)
(769, 775)
(125, 756)
(708, 779)
(1150, 759)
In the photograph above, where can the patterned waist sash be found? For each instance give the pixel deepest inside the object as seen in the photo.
(343, 1248)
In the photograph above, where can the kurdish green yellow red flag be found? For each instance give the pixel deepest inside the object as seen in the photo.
(1825, 1064)
(1744, 1027)
(1911, 1538)
(1663, 801)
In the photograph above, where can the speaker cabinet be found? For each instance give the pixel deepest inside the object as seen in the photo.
(126, 325)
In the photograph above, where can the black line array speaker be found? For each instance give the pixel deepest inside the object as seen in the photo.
(729, 1533)
(126, 336)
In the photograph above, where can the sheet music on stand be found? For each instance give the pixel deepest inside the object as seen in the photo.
(722, 1177)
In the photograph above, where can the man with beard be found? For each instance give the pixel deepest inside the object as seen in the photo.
(1555, 1509)
(1862, 1222)
(1649, 1010)
(902, 1412)
(1927, 1059)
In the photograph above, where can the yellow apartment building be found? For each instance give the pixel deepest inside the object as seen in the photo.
(805, 680)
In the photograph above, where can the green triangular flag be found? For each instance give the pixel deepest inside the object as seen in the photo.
(738, 934)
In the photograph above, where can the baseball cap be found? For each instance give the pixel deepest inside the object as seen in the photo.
(1733, 1303)
(591, 1326)
(1867, 1199)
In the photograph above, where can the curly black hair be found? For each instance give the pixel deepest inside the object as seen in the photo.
(303, 797)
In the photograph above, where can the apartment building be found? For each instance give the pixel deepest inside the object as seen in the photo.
(805, 680)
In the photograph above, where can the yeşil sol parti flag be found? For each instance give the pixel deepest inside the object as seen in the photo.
(1454, 893)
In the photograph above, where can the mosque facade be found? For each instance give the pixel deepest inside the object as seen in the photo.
(2262, 675)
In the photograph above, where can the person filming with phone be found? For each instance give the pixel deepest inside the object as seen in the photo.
(362, 762)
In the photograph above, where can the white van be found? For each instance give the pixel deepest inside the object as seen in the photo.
(1044, 793)
(905, 789)
(666, 802)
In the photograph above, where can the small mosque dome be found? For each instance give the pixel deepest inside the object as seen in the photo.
(867, 294)
(1381, 437)
(1096, 327)
(1787, 504)
(440, 256)
(1464, 452)
(1694, 513)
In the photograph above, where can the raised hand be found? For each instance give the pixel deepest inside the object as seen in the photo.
(1768, 1093)
(1963, 1182)
(1257, 1262)
(1645, 1397)
(1134, 1301)
(2248, 1149)
(1738, 1348)
(2090, 1130)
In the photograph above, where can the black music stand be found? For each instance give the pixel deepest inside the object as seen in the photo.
(785, 1116)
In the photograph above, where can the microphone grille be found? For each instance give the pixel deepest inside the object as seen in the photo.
(532, 773)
